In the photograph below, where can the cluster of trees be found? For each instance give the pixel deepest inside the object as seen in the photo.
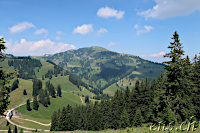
(37, 86)
(51, 89)
(44, 98)
(57, 70)
(25, 67)
(15, 85)
(49, 74)
(41, 95)
(173, 97)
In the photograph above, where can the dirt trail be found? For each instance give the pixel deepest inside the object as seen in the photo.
(27, 128)
(33, 121)
(81, 100)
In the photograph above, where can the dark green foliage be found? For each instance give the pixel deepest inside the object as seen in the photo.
(25, 66)
(37, 86)
(15, 84)
(51, 89)
(35, 103)
(124, 119)
(28, 106)
(15, 129)
(24, 92)
(7, 123)
(49, 74)
(59, 90)
(87, 100)
(9, 130)
(173, 97)
(54, 122)
(138, 118)
(42, 77)
(3, 82)
(44, 98)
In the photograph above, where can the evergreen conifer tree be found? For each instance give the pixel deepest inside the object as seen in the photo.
(54, 122)
(124, 119)
(35, 103)
(138, 118)
(59, 90)
(28, 106)
(9, 130)
(15, 129)
(178, 83)
(7, 123)
(24, 92)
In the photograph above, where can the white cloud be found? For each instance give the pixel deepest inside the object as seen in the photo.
(102, 30)
(145, 30)
(57, 38)
(106, 12)
(171, 8)
(38, 47)
(40, 31)
(18, 28)
(112, 44)
(143, 55)
(157, 55)
(136, 26)
(84, 29)
(60, 33)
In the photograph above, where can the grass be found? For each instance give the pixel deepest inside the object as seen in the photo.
(44, 69)
(5, 66)
(3, 123)
(131, 130)
(64, 82)
(84, 92)
(17, 97)
(29, 124)
(45, 113)
(111, 89)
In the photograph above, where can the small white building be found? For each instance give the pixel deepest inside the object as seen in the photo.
(9, 113)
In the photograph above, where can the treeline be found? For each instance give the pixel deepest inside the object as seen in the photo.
(25, 67)
(171, 98)
(79, 83)
(57, 70)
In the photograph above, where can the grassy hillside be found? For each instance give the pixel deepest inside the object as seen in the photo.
(17, 97)
(44, 113)
(102, 68)
(66, 85)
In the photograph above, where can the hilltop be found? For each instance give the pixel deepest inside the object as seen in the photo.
(105, 69)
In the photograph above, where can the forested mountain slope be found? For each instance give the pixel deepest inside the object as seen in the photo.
(101, 68)
(29, 69)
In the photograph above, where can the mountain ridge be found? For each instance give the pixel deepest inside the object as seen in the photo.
(100, 67)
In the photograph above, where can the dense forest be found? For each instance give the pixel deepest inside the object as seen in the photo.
(25, 67)
(171, 98)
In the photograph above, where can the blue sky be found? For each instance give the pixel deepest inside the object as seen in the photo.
(138, 27)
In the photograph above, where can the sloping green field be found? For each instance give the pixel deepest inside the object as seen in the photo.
(56, 103)
(17, 97)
